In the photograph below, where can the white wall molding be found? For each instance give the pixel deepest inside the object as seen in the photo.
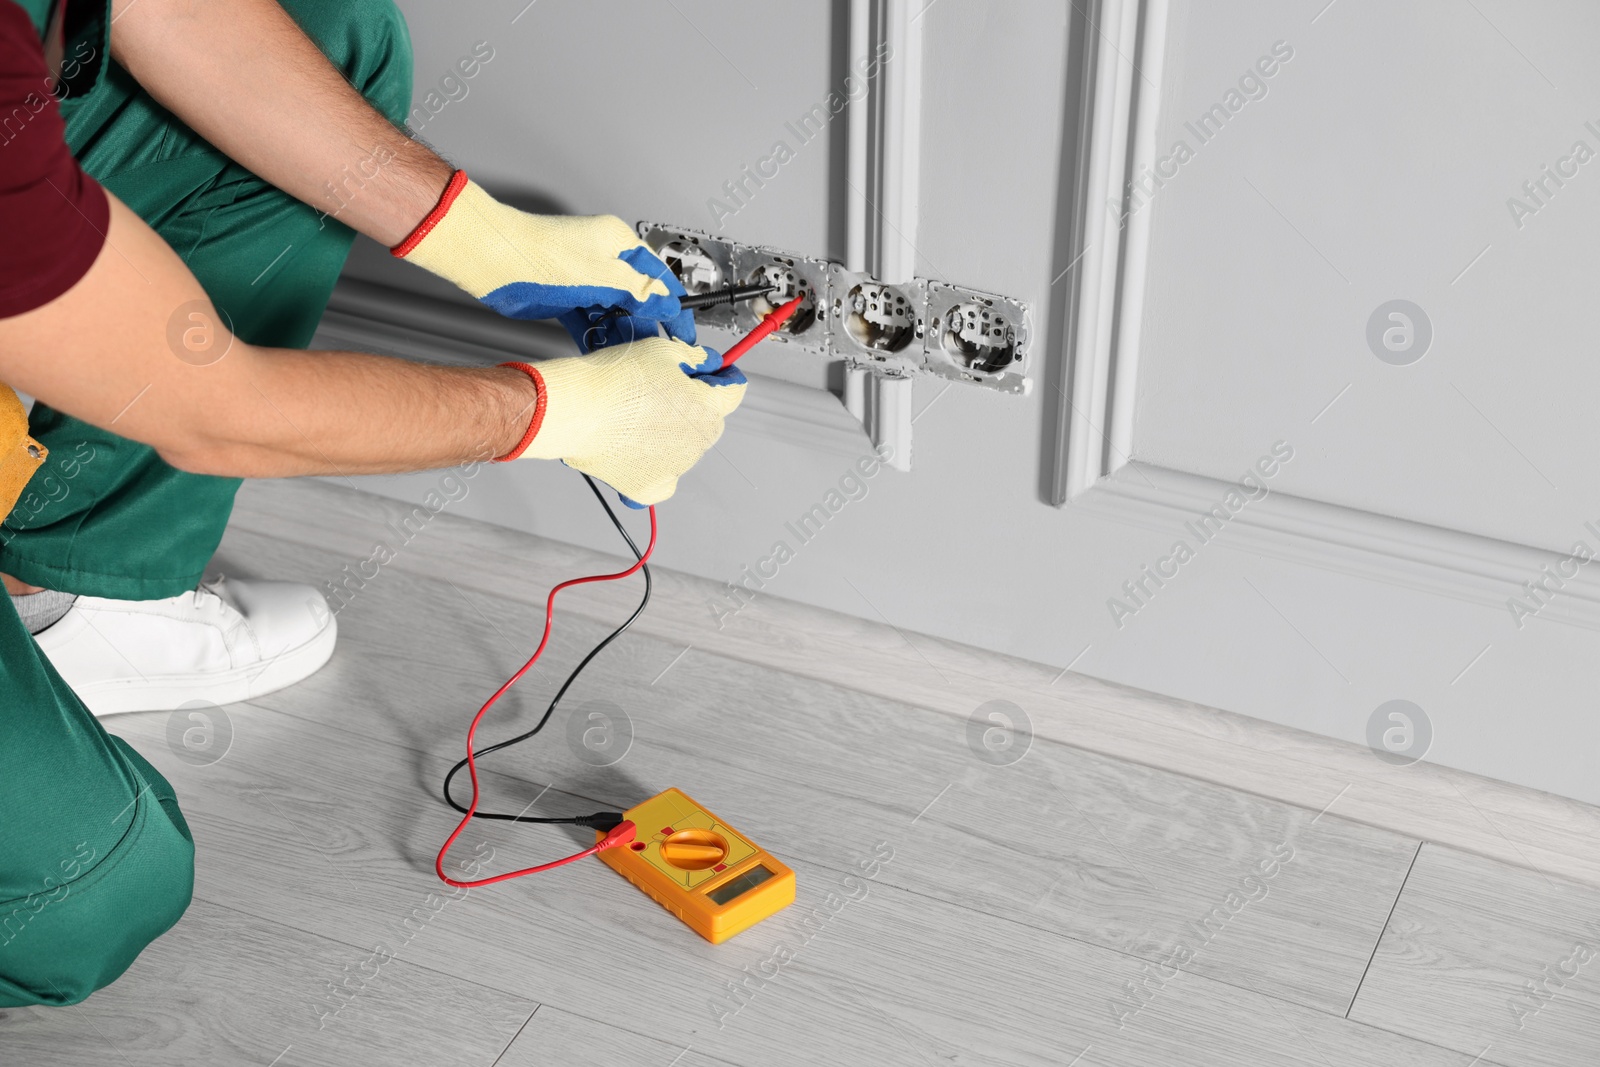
(899, 144)
(1124, 42)
(1413, 605)
(1395, 552)
(1149, 28)
(1119, 100)
(881, 207)
(811, 419)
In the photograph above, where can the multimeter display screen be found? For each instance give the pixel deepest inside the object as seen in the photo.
(740, 885)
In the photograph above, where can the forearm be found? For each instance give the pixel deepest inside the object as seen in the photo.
(244, 77)
(308, 412)
(106, 352)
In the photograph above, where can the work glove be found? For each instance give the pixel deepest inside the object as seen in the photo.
(636, 416)
(571, 268)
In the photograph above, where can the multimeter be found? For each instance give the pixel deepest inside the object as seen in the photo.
(699, 868)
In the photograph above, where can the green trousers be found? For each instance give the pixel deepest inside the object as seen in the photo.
(96, 860)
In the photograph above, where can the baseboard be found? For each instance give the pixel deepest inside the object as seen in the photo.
(1511, 823)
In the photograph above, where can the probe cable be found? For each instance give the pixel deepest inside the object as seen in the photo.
(617, 830)
(618, 834)
(609, 819)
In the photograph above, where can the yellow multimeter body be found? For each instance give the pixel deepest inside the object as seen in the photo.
(699, 868)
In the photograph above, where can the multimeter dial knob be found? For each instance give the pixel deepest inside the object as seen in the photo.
(694, 849)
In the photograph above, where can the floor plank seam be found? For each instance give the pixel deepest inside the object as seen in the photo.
(614, 1023)
(921, 894)
(430, 969)
(1383, 929)
(518, 1034)
(910, 891)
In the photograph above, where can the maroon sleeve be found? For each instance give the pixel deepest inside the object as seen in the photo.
(53, 216)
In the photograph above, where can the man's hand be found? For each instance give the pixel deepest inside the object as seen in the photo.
(562, 267)
(104, 351)
(245, 77)
(637, 416)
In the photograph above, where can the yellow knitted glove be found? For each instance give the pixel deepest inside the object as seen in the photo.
(565, 267)
(636, 416)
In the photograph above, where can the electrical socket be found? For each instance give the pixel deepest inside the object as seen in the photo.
(702, 263)
(794, 275)
(973, 336)
(894, 329)
(876, 325)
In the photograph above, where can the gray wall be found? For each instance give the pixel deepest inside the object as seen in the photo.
(649, 124)
(1391, 138)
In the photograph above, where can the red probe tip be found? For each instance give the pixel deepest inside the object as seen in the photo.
(775, 318)
(782, 312)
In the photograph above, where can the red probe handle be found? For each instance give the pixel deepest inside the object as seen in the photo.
(768, 325)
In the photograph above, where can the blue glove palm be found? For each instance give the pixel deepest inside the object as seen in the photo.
(592, 326)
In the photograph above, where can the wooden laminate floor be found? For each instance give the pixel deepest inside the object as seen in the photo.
(1069, 907)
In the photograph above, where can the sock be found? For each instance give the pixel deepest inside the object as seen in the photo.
(42, 610)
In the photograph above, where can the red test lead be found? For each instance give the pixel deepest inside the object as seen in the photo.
(622, 833)
(768, 326)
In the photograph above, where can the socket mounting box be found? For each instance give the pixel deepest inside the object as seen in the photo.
(794, 276)
(876, 325)
(977, 336)
(702, 263)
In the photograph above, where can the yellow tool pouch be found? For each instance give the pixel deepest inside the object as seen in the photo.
(20, 455)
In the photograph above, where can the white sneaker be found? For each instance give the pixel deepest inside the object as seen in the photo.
(224, 642)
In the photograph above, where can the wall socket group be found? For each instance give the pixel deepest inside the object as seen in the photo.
(896, 329)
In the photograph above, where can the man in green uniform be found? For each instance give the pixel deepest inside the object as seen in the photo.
(179, 186)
